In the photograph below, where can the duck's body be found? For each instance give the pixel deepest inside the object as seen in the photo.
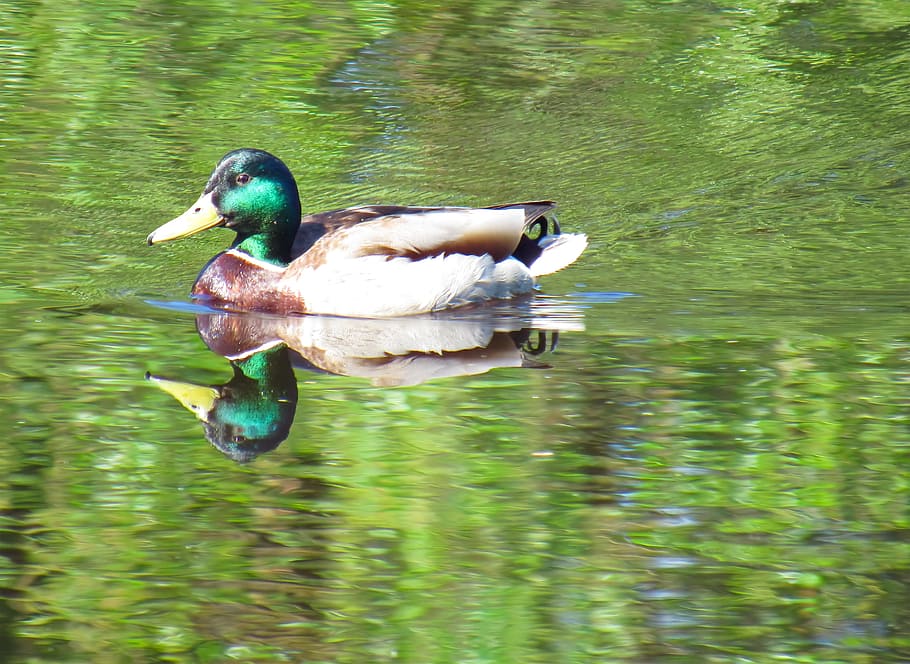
(366, 261)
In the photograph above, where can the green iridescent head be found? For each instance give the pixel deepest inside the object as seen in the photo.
(252, 193)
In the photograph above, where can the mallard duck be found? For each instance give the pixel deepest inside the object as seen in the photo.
(372, 261)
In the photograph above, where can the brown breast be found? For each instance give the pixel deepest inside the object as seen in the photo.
(234, 281)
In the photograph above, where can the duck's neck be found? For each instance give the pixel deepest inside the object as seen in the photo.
(274, 248)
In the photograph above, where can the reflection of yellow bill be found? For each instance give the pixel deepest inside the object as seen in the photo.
(198, 399)
(200, 216)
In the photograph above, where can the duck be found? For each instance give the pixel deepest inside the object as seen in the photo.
(374, 261)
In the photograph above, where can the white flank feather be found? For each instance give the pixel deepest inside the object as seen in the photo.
(374, 286)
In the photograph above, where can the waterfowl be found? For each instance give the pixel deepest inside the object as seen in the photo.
(371, 261)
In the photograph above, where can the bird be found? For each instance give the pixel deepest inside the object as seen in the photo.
(374, 261)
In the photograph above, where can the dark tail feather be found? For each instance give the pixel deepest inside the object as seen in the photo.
(543, 247)
(537, 226)
(534, 210)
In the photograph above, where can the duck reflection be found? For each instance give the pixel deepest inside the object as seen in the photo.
(252, 412)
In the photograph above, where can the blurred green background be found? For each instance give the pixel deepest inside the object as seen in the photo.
(713, 470)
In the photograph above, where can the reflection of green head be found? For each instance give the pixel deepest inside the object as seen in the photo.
(250, 414)
(256, 408)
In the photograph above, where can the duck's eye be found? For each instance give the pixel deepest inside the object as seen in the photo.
(242, 178)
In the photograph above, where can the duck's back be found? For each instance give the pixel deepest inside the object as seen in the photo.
(317, 225)
(412, 262)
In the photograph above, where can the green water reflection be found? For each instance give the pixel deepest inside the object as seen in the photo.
(711, 468)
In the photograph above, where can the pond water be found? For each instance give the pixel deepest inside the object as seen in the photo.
(692, 446)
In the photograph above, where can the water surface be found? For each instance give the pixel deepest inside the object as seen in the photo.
(709, 463)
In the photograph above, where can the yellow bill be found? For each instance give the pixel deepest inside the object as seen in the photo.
(200, 216)
(198, 399)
